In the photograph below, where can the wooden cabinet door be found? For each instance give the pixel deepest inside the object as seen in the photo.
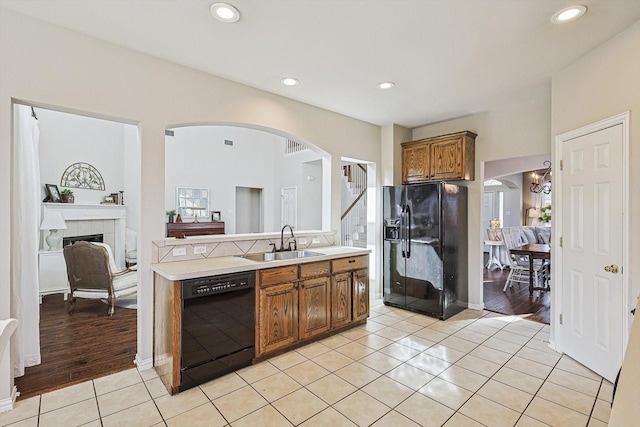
(415, 163)
(439, 158)
(340, 299)
(278, 317)
(360, 294)
(447, 159)
(314, 307)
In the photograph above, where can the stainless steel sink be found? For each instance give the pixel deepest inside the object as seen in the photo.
(274, 256)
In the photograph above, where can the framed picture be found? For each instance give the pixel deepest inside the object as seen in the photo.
(54, 193)
(215, 215)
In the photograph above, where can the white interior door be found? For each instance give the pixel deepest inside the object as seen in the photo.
(592, 224)
(289, 206)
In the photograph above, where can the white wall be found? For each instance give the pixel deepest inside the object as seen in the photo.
(46, 65)
(515, 130)
(499, 169)
(508, 166)
(132, 177)
(196, 156)
(291, 170)
(392, 136)
(602, 84)
(69, 138)
(310, 196)
(512, 200)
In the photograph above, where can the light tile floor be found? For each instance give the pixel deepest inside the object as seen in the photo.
(400, 369)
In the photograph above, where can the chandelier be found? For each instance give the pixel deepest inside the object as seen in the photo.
(541, 183)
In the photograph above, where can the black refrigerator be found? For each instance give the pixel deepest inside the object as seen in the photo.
(425, 248)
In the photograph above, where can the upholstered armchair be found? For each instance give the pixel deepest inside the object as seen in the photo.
(92, 273)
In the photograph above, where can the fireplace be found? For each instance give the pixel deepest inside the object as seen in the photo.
(84, 220)
(88, 238)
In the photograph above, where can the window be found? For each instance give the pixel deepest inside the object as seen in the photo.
(192, 202)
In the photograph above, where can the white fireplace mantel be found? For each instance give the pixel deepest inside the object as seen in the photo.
(78, 212)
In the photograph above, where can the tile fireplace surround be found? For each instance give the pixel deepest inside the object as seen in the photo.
(109, 220)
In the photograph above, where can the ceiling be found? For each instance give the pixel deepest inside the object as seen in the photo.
(448, 58)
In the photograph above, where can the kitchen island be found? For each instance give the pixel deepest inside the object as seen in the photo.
(296, 301)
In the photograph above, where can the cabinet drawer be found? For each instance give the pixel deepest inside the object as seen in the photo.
(314, 269)
(272, 276)
(351, 263)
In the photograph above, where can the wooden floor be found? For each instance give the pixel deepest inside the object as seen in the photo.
(82, 346)
(515, 300)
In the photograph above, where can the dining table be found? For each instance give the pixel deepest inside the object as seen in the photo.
(534, 251)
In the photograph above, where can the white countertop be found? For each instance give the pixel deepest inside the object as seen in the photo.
(180, 270)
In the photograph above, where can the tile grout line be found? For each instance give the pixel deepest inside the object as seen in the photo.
(538, 390)
(476, 345)
(281, 397)
(434, 376)
(40, 409)
(153, 399)
(483, 384)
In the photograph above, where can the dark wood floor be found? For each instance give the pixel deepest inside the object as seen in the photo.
(79, 347)
(515, 300)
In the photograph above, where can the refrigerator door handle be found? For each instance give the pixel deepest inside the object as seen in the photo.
(403, 242)
(407, 233)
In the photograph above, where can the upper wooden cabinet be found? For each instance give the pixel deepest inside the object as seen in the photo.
(441, 158)
(415, 162)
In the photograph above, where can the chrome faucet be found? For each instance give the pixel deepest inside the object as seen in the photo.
(295, 244)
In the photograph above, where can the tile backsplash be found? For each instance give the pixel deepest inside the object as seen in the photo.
(213, 246)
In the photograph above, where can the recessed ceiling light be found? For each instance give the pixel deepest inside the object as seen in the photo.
(385, 85)
(224, 12)
(568, 14)
(289, 81)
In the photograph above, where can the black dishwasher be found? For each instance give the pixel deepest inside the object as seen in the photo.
(218, 326)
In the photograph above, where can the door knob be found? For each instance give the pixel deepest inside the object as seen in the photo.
(611, 268)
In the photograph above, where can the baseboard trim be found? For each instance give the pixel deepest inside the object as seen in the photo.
(476, 306)
(143, 364)
(10, 402)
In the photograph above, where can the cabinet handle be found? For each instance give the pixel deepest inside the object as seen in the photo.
(351, 261)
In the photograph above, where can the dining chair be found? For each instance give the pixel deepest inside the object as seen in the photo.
(519, 265)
